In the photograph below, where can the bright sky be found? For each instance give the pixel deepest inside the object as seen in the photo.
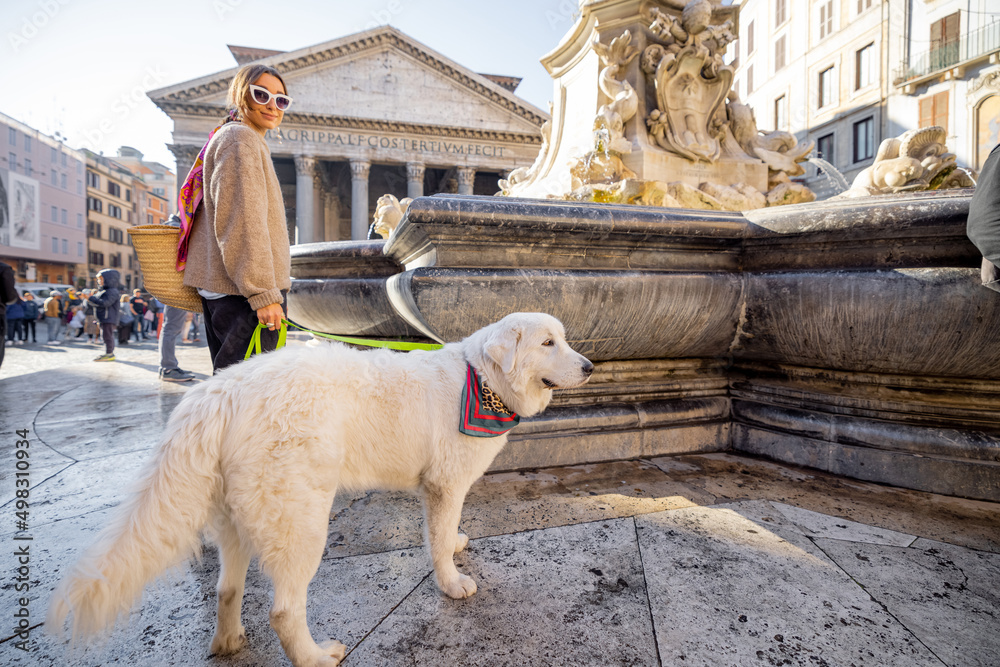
(75, 66)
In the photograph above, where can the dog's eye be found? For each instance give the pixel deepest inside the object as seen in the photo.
(548, 343)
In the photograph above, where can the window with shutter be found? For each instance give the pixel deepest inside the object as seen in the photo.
(944, 41)
(825, 19)
(934, 110)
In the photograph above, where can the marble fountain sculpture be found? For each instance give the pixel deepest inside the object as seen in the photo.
(670, 129)
(850, 335)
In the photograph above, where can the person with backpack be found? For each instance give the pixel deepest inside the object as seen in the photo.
(139, 311)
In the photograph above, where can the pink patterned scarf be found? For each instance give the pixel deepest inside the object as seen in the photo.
(191, 194)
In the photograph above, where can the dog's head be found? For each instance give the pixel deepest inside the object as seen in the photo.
(524, 357)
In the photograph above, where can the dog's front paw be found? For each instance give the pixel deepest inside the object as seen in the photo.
(460, 588)
(226, 645)
(461, 542)
(335, 652)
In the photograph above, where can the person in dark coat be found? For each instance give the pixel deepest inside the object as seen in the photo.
(31, 313)
(983, 226)
(15, 314)
(106, 301)
(8, 294)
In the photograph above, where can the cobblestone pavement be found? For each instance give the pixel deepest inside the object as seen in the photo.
(687, 560)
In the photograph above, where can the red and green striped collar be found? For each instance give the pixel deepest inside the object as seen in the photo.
(483, 413)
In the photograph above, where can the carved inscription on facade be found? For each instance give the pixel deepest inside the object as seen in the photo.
(360, 140)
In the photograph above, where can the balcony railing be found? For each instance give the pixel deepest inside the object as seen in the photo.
(978, 43)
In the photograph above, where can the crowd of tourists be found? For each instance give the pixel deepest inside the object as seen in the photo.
(100, 316)
(72, 317)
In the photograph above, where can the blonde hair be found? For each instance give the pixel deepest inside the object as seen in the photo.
(238, 99)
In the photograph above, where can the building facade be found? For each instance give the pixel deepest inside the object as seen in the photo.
(161, 181)
(112, 194)
(151, 208)
(373, 113)
(849, 73)
(42, 206)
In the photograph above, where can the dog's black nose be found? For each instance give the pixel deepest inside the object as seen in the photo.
(588, 367)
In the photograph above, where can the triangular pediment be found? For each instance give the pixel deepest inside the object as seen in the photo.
(381, 75)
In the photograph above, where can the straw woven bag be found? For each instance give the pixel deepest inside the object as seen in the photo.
(156, 246)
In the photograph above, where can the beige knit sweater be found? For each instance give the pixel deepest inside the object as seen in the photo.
(239, 241)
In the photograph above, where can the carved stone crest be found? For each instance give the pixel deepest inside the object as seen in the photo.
(690, 79)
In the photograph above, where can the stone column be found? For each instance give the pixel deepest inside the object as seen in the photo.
(414, 179)
(466, 178)
(305, 196)
(185, 156)
(331, 207)
(319, 208)
(359, 199)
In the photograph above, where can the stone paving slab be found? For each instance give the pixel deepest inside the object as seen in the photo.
(725, 589)
(726, 560)
(572, 595)
(815, 524)
(948, 596)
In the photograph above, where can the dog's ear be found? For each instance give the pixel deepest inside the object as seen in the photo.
(501, 347)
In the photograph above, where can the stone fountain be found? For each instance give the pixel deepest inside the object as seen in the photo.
(669, 129)
(850, 335)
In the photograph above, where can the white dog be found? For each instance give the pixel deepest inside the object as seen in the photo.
(254, 456)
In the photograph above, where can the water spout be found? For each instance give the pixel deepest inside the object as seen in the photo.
(831, 172)
(971, 174)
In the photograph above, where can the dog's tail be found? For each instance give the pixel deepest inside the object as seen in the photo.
(156, 528)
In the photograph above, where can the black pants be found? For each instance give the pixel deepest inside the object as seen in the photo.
(3, 327)
(29, 325)
(229, 325)
(109, 336)
(14, 331)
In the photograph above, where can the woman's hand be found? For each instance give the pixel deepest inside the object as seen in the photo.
(271, 315)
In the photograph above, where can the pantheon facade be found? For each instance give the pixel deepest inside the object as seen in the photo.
(373, 113)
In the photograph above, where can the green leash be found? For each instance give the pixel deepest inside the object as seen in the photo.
(254, 347)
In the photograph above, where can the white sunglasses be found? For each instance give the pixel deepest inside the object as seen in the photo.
(263, 96)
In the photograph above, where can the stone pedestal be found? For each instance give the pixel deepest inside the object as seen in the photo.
(654, 164)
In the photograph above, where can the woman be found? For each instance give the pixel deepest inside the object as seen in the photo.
(234, 247)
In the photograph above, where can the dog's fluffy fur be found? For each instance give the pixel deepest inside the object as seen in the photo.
(254, 456)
